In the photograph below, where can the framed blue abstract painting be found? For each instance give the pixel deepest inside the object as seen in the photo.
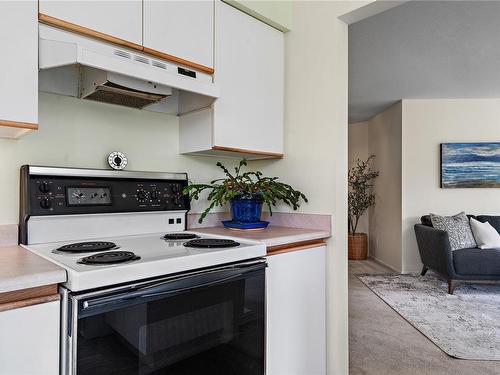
(470, 165)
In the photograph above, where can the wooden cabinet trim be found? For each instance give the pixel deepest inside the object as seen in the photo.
(244, 151)
(178, 60)
(52, 21)
(20, 125)
(296, 246)
(28, 302)
(23, 294)
(28, 297)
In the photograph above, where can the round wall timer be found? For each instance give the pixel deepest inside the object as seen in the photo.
(117, 160)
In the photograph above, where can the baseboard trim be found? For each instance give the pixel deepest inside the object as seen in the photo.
(383, 263)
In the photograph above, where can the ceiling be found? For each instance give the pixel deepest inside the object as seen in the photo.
(424, 49)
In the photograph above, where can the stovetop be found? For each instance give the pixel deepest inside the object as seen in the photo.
(155, 256)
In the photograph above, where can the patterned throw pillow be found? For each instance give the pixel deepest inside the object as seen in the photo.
(458, 228)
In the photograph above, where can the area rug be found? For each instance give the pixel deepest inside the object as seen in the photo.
(464, 325)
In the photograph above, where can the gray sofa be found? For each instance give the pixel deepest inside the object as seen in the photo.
(460, 265)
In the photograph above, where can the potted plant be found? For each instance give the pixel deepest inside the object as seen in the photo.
(360, 198)
(246, 192)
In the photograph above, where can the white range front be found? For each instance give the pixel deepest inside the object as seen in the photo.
(157, 257)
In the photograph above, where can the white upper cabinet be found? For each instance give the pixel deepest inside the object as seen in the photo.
(249, 57)
(18, 68)
(184, 29)
(247, 119)
(120, 19)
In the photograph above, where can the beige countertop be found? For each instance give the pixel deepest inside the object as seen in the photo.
(271, 236)
(20, 269)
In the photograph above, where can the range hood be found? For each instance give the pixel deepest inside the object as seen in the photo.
(75, 65)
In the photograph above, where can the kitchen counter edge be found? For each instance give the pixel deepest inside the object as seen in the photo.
(275, 238)
(20, 270)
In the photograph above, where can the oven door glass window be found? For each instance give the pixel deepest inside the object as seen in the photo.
(206, 327)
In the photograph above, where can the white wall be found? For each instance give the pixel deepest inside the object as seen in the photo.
(316, 143)
(358, 149)
(80, 133)
(426, 124)
(384, 132)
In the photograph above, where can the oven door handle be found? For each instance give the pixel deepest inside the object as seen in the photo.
(99, 302)
(112, 302)
(180, 290)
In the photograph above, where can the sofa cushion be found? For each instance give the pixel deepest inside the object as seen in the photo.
(477, 262)
(458, 229)
(493, 220)
(485, 235)
(426, 220)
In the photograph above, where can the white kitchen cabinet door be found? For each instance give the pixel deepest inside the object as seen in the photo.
(120, 18)
(184, 29)
(249, 71)
(18, 66)
(296, 311)
(29, 340)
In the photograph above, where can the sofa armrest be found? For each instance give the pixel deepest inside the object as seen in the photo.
(435, 249)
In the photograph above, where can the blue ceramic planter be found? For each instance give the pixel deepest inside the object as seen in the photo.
(246, 210)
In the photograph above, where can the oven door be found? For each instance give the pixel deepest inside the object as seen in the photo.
(207, 322)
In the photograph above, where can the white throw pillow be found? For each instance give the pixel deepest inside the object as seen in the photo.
(486, 236)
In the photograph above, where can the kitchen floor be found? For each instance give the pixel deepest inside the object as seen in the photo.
(381, 342)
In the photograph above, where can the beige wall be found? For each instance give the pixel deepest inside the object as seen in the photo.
(426, 124)
(384, 132)
(405, 139)
(316, 144)
(358, 149)
(80, 133)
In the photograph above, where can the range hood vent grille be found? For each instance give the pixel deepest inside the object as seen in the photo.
(121, 53)
(141, 59)
(115, 94)
(159, 64)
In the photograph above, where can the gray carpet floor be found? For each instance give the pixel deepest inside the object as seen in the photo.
(381, 342)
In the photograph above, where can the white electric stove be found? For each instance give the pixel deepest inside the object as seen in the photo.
(143, 295)
(134, 211)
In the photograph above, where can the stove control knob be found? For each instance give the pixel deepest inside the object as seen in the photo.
(45, 203)
(44, 187)
(154, 195)
(141, 195)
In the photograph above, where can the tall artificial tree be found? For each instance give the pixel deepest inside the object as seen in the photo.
(360, 197)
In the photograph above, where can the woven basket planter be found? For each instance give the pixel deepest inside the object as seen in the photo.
(358, 246)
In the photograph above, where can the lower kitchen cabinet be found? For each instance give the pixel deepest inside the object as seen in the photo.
(29, 340)
(296, 312)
